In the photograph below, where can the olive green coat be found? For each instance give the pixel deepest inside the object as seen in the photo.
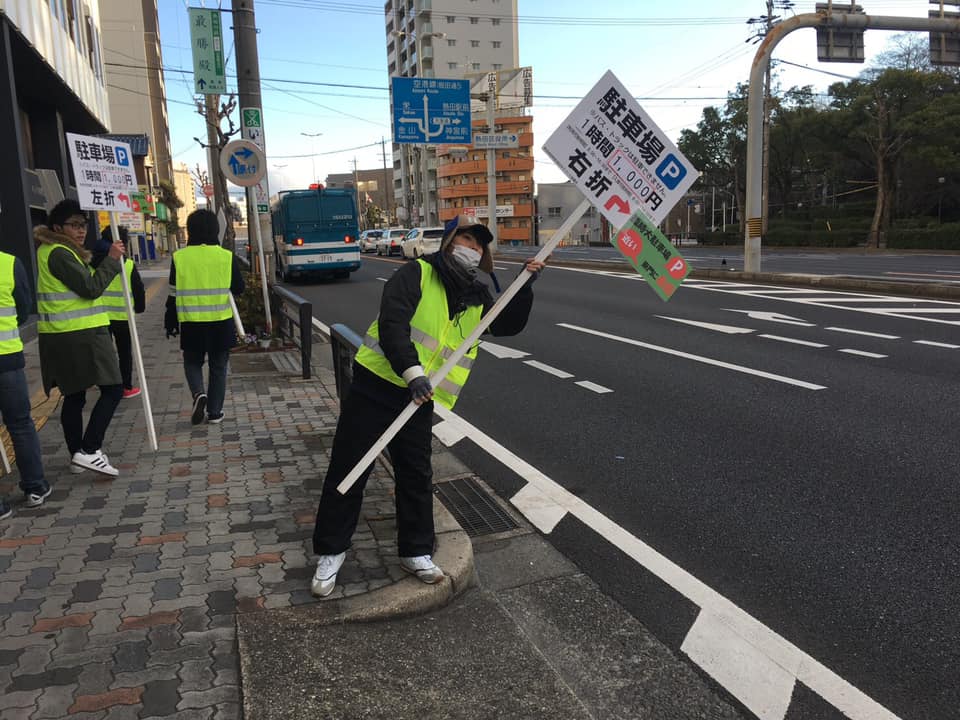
(75, 361)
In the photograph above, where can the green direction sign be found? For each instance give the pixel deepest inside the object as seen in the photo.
(652, 255)
(263, 209)
(251, 118)
(206, 40)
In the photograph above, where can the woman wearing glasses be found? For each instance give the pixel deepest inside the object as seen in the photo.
(76, 350)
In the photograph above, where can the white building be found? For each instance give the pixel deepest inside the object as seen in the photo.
(443, 38)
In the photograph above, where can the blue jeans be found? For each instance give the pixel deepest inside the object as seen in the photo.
(217, 384)
(15, 409)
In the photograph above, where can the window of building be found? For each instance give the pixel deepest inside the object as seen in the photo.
(495, 22)
(72, 19)
(474, 21)
(451, 19)
(476, 66)
(54, 9)
(497, 66)
(451, 42)
(451, 66)
(521, 178)
(474, 43)
(554, 211)
(91, 46)
(496, 43)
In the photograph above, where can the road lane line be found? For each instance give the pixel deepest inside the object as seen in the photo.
(861, 353)
(795, 341)
(698, 358)
(562, 374)
(547, 502)
(882, 336)
(599, 389)
(937, 344)
(728, 329)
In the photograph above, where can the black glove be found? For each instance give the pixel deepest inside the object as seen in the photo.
(170, 322)
(421, 390)
(172, 331)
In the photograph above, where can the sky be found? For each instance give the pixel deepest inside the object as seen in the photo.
(676, 58)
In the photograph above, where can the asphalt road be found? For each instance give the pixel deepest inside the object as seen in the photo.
(792, 449)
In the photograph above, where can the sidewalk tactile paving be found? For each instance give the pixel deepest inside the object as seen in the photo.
(119, 596)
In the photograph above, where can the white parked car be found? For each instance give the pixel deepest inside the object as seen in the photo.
(389, 243)
(368, 240)
(422, 241)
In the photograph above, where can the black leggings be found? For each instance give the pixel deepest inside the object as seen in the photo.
(120, 329)
(71, 417)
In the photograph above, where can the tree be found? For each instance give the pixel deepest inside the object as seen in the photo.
(214, 121)
(168, 196)
(374, 216)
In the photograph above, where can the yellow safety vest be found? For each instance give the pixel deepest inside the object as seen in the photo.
(10, 341)
(113, 295)
(434, 335)
(62, 310)
(203, 283)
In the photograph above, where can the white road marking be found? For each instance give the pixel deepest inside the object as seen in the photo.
(599, 389)
(772, 317)
(562, 374)
(728, 329)
(937, 344)
(501, 351)
(795, 341)
(547, 502)
(912, 310)
(382, 279)
(861, 353)
(882, 336)
(698, 358)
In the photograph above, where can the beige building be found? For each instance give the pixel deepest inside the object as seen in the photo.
(187, 192)
(134, 75)
(443, 39)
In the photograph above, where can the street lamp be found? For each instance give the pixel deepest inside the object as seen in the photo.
(418, 39)
(313, 155)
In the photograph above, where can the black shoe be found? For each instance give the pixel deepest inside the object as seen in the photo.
(35, 498)
(5, 510)
(199, 409)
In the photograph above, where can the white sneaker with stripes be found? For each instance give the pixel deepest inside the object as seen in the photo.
(95, 461)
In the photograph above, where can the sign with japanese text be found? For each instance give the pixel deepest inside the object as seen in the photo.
(243, 162)
(495, 141)
(652, 255)
(104, 172)
(252, 129)
(611, 149)
(482, 211)
(206, 42)
(431, 110)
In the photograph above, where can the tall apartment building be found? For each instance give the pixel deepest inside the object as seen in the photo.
(186, 188)
(51, 82)
(448, 39)
(134, 72)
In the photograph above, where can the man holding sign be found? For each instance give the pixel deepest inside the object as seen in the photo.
(427, 310)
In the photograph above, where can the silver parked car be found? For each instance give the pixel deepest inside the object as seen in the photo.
(368, 240)
(422, 241)
(389, 243)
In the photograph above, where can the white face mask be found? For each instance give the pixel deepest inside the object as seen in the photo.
(467, 257)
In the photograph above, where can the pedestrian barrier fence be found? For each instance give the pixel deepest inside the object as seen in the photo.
(295, 323)
(344, 343)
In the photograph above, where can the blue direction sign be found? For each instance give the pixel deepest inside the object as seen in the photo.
(243, 163)
(431, 110)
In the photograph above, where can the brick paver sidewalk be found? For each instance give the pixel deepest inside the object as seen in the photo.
(118, 597)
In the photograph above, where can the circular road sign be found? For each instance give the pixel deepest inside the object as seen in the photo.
(208, 190)
(243, 162)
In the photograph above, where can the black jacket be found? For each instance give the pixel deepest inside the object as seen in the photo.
(399, 301)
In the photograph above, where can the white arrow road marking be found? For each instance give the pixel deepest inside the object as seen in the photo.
(864, 332)
(724, 634)
(502, 351)
(937, 344)
(772, 317)
(562, 374)
(728, 329)
(698, 358)
(795, 341)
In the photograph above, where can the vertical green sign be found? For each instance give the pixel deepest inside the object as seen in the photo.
(206, 41)
(652, 255)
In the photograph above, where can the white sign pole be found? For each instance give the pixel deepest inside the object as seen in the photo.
(451, 362)
(255, 222)
(221, 233)
(137, 355)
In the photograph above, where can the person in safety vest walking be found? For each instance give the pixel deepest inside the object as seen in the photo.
(202, 276)
(76, 351)
(427, 309)
(15, 306)
(117, 309)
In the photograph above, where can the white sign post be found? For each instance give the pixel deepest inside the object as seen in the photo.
(105, 180)
(244, 164)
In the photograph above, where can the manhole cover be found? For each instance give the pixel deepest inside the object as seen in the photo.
(476, 511)
(252, 364)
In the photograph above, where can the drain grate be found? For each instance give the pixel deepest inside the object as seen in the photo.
(474, 509)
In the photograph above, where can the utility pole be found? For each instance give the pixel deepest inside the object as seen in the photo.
(765, 171)
(248, 87)
(492, 158)
(213, 152)
(356, 189)
(387, 184)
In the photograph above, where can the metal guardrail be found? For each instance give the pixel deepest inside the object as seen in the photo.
(344, 344)
(295, 312)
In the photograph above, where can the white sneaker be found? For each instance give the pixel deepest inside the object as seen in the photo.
(95, 461)
(325, 578)
(423, 568)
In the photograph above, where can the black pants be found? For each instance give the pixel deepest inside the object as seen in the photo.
(71, 417)
(361, 422)
(120, 329)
